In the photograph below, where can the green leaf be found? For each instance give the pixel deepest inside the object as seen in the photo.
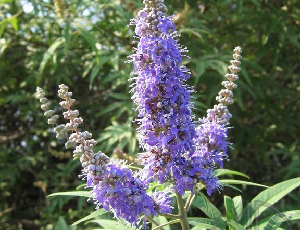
(112, 107)
(92, 215)
(87, 36)
(72, 193)
(220, 172)
(49, 53)
(191, 31)
(267, 198)
(209, 209)
(244, 73)
(204, 222)
(96, 68)
(115, 60)
(229, 206)
(14, 22)
(231, 181)
(276, 220)
(3, 26)
(234, 225)
(110, 224)
(62, 224)
(233, 187)
(161, 220)
(238, 206)
(200, 68)
(67, 36)
(199, 227)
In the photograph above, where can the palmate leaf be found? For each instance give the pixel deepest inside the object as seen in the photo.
(267, 198)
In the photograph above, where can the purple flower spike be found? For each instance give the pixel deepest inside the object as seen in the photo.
(166, 129)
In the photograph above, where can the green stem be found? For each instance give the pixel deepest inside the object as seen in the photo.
(169, 223)
(187, 203)
(169, 215)
(182, 213)
(187, 206)
(154, 222)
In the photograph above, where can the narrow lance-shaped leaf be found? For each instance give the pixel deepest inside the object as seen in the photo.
(209, 209)
(88, 37)
(231, 181)
(203, 222)
(92, 215)
(273, 222)
(72, 193)
(229, 206)
(238, 206)
(267, 198)
(49, 53)
(220, 172)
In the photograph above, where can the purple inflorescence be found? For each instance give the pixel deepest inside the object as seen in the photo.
(166, 129)
(117, 189)
(211, 150)
(175, 151)
(163, 203)
(211, 141)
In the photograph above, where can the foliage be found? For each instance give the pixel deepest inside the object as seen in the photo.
(236, 217)
(85, 44)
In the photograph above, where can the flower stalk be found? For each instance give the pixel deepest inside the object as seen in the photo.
(182, 212)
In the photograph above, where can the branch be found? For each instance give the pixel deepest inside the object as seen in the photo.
(169, 223)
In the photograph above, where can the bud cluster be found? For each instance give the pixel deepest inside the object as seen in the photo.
(52, 118)
(220, 112)
(60, 130)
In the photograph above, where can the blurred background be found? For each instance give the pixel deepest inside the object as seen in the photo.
(85, 43)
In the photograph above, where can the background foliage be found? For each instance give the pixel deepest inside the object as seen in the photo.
(85, 44)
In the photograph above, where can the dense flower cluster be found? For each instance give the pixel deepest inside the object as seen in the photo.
(175, 151)
(166, 129)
